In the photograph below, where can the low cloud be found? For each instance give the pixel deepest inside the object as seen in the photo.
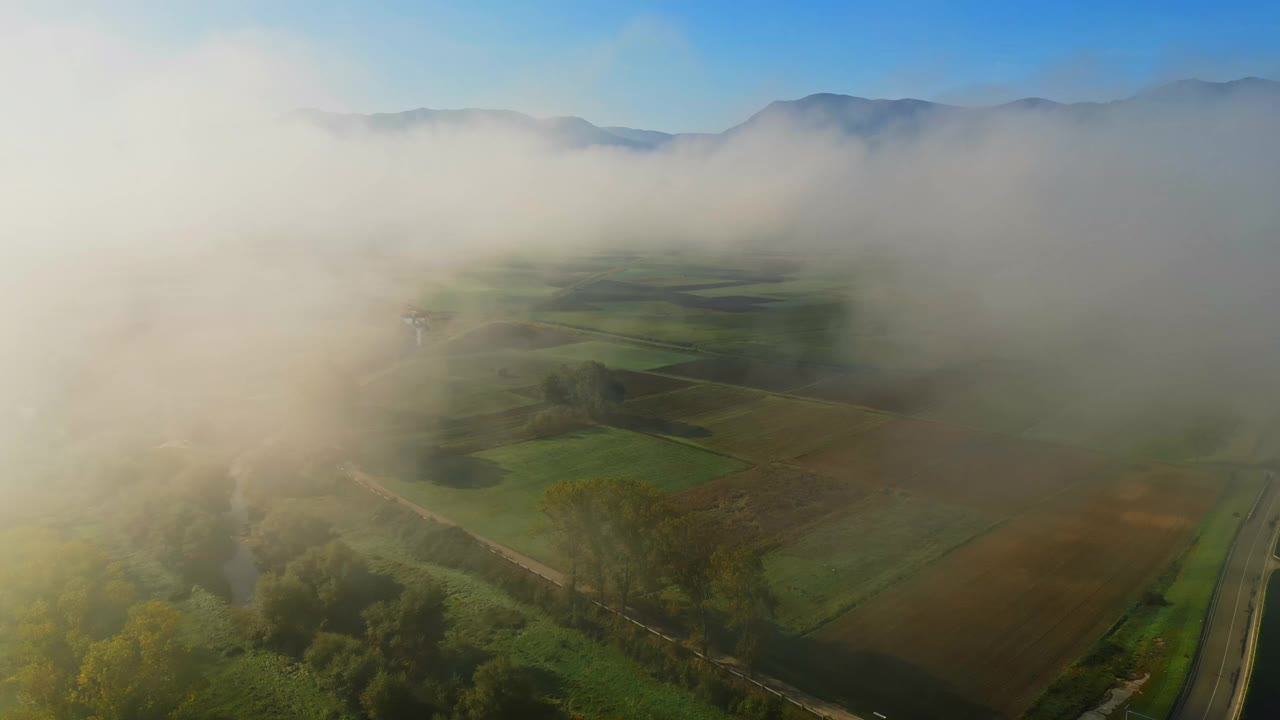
(167, 233)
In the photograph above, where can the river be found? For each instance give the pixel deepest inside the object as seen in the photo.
(240, 571)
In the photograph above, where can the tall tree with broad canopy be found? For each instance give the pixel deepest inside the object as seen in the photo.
(141, 672)
(408, 629)
(748, 601)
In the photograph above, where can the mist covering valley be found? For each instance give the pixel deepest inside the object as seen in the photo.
(200, 248)
(167, 221)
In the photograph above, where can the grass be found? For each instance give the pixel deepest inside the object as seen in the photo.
(495, 492)
(1162, 640)
(1263, 698)
(616, 355)
(845, 560)
(264, 685)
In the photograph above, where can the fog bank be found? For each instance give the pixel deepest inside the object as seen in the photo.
(170, 238)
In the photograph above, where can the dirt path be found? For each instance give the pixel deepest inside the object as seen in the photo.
(820, 708)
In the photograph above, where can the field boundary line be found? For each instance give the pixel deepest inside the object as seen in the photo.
(982, 532)
(1019, 435)
(1207, 622)
(725, 663)
(692, 445)
(784, 394)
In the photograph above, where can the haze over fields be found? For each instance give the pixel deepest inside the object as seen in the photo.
(885, 348)
(150, 192)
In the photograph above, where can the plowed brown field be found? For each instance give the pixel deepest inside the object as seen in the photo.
(967, 467)
(997, 619)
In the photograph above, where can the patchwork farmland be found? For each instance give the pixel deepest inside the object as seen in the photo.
(932, 553)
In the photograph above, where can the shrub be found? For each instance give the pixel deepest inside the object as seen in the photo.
(555, 420)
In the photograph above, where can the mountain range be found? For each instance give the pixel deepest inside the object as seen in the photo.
(854, 116)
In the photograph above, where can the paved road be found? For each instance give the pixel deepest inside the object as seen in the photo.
(1216, 674)
(817, 706)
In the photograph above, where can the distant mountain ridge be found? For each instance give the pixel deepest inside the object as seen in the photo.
(848, 114)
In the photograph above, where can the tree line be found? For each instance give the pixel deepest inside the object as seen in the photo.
(624, 537)
(79, 640)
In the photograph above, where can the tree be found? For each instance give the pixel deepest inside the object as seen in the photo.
(141, 672)
(44, 691)
(500, 691)
(609, 528)
(571, 509)
(595, 390)
(588, 387)
(387, 697)
(291, 613)
(57, 599)
(689, 542)
(408, 630)
(633, 512)
(741, 583)
(284, 534)
(344, 664)
(191, 539)
(555, 389)
(339, 580)
(325, 588)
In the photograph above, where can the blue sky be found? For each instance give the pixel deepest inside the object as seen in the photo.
(705, 65)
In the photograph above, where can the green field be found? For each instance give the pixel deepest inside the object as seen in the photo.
(495, 492)
(616, 355)
(847, 559)
(1162, 640)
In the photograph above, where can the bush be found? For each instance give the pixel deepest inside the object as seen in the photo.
(555, 420)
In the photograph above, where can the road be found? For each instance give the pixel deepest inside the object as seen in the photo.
(817, 706)
(1215, 677)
